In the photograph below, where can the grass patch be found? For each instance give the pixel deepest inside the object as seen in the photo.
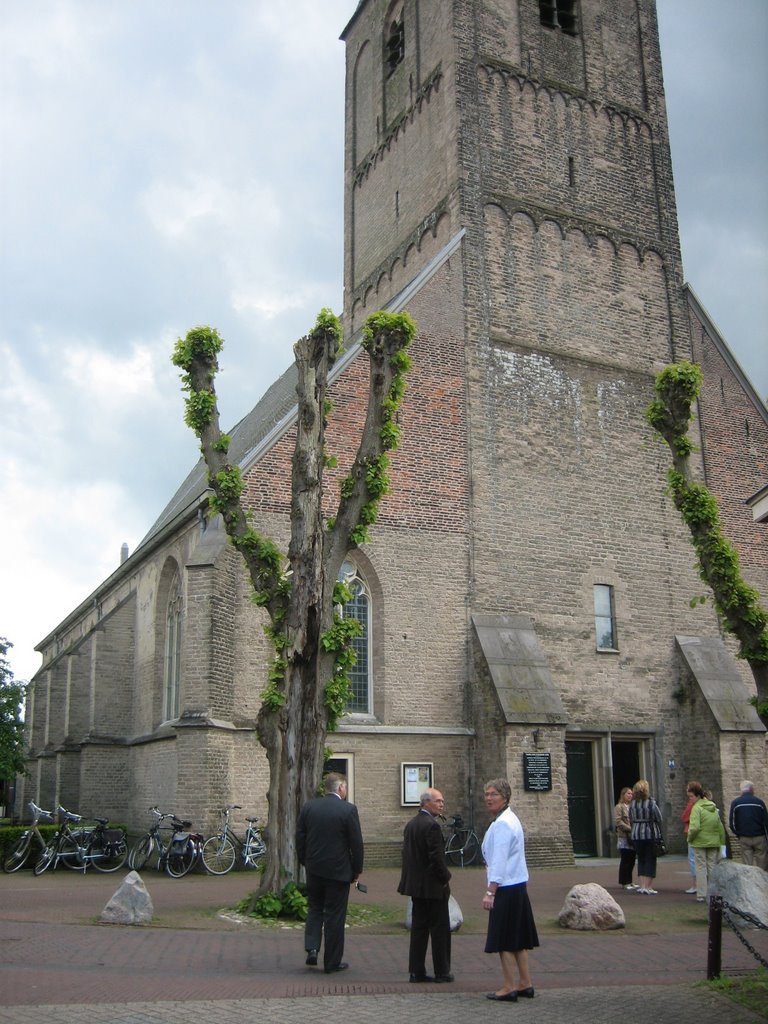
(748, 990)
(370, 917)
(644, 919)
(375, 918)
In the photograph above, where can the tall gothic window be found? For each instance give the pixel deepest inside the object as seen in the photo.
(559, 14)
(172, 662)
(359, 607)
(395, 49)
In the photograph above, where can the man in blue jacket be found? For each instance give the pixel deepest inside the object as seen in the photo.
(425, 878)
(748, 819)
(330, 846)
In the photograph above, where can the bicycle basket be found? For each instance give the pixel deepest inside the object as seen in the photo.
(457, 821)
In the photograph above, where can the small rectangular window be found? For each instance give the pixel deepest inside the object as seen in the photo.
(605, 618)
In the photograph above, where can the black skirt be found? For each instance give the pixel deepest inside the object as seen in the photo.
(511, 926)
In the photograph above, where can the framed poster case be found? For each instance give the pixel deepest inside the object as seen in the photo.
(415, 777)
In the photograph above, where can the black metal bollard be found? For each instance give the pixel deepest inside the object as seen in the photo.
(715, 943)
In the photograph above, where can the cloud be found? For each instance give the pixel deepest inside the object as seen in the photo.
(183, 212)
(60, 543)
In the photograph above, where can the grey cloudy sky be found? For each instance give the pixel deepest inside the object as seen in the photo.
(174, 162)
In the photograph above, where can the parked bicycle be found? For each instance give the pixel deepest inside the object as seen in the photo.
(462, 846)
(19, 853)
(91, 845)
(176, 853)
(221, 850)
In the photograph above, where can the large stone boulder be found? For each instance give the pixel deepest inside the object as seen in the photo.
(590, 907)
(454, 913)
(131, 904)
(744, 887)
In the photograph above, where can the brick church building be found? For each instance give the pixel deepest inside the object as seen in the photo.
(526, 592)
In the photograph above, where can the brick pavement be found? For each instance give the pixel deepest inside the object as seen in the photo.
(679, 1003)
(54, 956)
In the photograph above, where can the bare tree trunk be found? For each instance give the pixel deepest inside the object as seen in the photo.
(295, 714)
(294, 736)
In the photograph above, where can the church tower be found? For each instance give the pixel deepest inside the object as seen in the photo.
(477, 113)
(522, 146)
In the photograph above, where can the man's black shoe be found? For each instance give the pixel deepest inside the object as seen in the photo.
(311, 960)
(421, 977)
(338, 967)
(443, 977)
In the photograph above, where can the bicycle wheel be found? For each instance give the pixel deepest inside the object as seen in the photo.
(70, 854)
(17, 855)
(46, 858)
(181, 858)
(462, 848)
(253, 853)
(218, 855)
(142, 852)
(107, 851)
(471, 849)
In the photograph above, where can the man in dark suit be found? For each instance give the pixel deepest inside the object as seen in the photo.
(330, 846)
(425, 877)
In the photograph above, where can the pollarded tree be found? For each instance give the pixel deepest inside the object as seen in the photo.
(677, 388)
(11, 724)
(307, 687)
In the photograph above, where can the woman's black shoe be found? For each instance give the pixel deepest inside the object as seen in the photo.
(510, 997)
(526, 993)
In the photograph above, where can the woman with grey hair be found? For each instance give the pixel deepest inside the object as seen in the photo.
(511, 928)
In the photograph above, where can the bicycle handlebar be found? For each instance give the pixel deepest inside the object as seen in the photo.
(39, 813)
(161, 815)
(68, 815)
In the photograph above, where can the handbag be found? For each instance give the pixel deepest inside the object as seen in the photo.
(659, 848)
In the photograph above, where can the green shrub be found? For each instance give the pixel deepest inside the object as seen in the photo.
(290, 903)
(10, 833)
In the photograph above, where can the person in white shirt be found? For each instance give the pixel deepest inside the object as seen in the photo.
(511, 928)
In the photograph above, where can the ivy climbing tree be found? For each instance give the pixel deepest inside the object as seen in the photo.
(307, 687)
(677, 388)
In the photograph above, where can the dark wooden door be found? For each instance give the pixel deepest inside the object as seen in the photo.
(581, 798)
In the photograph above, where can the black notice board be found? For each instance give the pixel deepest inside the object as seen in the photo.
(537, 772)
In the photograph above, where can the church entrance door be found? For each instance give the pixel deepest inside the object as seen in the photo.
(581, 797)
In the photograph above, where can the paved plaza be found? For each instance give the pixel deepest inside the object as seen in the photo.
(58, 965)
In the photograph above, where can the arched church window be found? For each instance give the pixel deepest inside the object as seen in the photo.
(395, 48)
(559, 14)
(172, 661)
(359, 607)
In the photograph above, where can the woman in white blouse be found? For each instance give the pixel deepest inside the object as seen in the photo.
(511, 928)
